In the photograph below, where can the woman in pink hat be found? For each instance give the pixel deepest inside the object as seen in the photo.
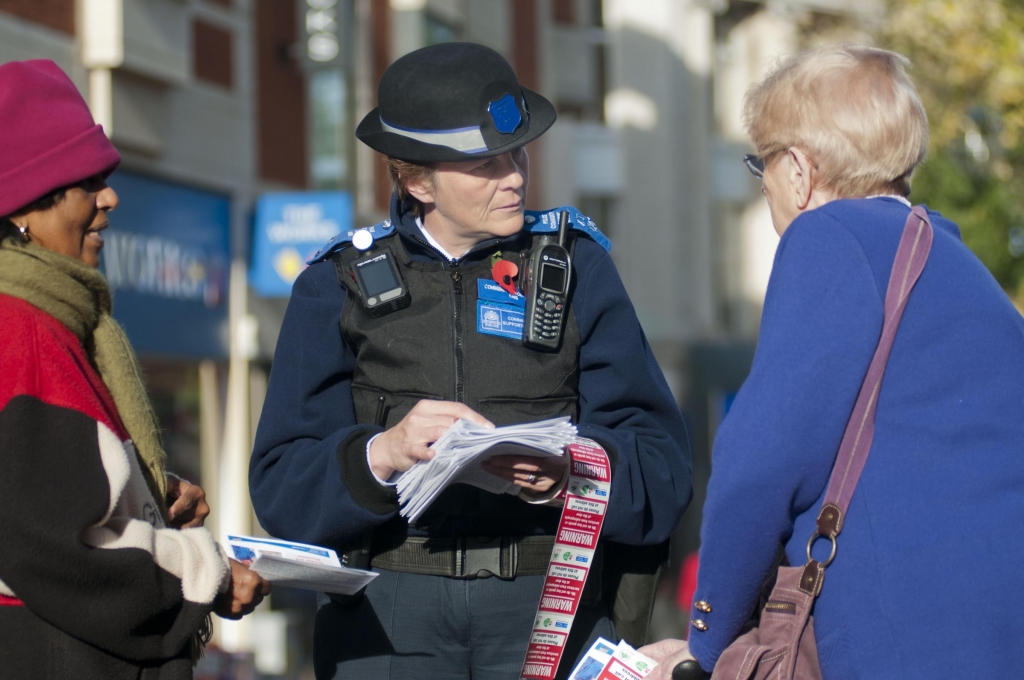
(105, 569)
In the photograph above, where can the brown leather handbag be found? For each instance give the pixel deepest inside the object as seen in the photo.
(782, 646)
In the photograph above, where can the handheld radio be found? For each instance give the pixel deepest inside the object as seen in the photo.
(548, 274)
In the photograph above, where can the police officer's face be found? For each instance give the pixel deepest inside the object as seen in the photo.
(472, 201)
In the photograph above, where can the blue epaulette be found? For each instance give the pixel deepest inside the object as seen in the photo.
(343, 239)
(541, 221)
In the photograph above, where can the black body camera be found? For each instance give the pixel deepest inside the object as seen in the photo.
(546, 287)
(380, 285)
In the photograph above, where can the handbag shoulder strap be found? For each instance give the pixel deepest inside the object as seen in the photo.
(911, 256)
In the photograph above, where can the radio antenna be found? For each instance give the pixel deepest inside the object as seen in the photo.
(563, 227)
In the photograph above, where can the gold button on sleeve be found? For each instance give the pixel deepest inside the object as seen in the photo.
(702, 606)
(699, 625)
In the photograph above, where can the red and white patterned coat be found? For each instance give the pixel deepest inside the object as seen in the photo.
(92, 583)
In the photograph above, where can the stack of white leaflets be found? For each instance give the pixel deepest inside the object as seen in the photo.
(459, 452)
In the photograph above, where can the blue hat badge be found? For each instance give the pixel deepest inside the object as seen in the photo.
(505, 114)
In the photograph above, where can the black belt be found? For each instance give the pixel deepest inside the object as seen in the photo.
(468, 557)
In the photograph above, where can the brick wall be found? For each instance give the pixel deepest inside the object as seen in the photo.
(280, 95)
(563, 11)
(212, 55)
(527, 68)
(56, 14)
(381, 58)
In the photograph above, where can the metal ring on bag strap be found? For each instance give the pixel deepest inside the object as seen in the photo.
(810, 542)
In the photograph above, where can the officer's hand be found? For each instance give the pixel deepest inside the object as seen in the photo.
(535, 474)
(246, 591)
(408, 442)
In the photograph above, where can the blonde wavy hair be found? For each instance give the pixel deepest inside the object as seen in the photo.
(851, 108)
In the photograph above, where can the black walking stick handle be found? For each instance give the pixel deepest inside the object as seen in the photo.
(689, 670)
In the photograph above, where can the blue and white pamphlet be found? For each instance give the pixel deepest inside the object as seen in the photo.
(298, 565)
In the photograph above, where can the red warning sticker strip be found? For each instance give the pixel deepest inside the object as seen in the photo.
(586, 500)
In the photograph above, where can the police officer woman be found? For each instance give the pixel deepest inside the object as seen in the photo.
(360, 389)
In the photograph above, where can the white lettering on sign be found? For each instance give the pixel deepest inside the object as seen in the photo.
(556, 603)
(576, 537)
(541, 637)
(565, 571)
(322, 27)
(535, 670)
(321, 21)
(302, 222)
(584, 505)
(588, 470)
(160, 266)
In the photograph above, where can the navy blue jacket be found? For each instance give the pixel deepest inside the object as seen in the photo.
(295, 475)
(927, 580)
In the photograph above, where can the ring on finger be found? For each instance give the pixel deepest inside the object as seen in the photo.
(532, 477)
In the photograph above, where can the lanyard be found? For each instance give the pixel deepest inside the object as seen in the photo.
(586, 500)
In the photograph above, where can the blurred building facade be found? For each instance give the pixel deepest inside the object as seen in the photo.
(213, 102)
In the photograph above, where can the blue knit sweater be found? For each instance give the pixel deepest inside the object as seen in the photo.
(928, 579)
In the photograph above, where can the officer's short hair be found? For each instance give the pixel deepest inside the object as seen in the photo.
(851, 108)
(402, 173)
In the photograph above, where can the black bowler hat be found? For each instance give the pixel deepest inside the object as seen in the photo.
(453, 102)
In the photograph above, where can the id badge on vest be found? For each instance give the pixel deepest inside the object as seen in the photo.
(498, 312)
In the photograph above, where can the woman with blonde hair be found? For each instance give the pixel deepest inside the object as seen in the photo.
(924, 578)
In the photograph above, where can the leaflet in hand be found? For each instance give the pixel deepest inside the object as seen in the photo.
(460, 451)
(606, 660)
(298, 565)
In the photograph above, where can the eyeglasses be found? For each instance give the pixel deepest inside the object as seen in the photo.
(755, 164)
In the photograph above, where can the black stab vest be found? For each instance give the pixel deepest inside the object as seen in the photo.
(432, 350)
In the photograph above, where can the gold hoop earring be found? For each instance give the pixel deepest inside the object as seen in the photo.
(24, 233)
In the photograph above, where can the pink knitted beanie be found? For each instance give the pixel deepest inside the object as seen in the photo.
(48, 138)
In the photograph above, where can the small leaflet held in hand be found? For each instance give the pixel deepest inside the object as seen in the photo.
(606, 660)
(298, 565)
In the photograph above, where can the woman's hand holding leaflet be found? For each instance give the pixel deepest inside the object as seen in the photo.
(246, 591)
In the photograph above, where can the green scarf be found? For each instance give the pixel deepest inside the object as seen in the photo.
(77, 295)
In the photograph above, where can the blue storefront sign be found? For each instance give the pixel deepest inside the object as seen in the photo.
(166, 258)
(290, 228)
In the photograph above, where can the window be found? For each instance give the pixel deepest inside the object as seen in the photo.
(212, 54)
(56, 14)
(330, 136)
